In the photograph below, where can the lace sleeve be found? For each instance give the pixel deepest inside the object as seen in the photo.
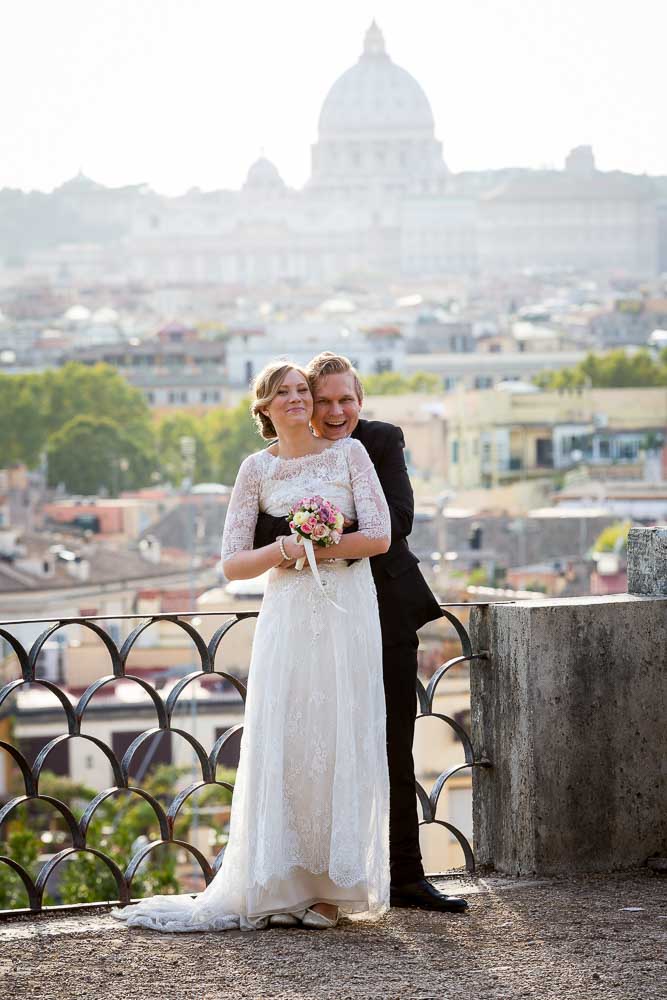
(239, 529)
(369, 501)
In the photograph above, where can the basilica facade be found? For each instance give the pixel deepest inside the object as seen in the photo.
(380, 202)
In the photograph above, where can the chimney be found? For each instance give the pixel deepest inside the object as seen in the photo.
(79, 568)
(150, 549)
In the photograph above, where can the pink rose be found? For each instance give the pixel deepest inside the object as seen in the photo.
(318, 532)
(308, 525)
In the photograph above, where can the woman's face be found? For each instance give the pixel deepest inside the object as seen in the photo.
(292, 405)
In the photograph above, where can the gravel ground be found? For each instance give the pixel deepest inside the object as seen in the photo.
(599, 936)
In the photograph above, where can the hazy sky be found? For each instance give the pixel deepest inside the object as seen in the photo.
(180, 93)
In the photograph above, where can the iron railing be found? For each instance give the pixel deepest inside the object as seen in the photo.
(164, 709)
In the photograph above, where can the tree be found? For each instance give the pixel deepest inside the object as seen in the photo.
(34, 407)
(23, 418)
(89, 454)
(617, 369)
(231, 435)
(395, 384)
(425, 382)
(100, 391)
(115, 829)
(22, 844)
(170, 431)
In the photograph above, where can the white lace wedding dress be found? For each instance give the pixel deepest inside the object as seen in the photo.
(310, 813)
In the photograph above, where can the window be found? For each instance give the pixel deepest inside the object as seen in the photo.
(628, 449)
(113, 631)
(156, 750)
(58, 759)
(229, 755)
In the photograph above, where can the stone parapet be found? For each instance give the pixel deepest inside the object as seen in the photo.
(647, 561)
(571, 709)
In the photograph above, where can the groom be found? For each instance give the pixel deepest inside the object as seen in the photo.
(405, 604)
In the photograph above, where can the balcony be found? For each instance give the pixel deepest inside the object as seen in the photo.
(567, 748)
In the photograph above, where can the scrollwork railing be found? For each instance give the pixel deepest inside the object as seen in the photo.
(122, 767)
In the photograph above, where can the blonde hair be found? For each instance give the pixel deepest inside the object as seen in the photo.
(328, 363)
(265, 388)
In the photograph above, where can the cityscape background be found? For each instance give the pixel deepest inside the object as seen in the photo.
(471, 205)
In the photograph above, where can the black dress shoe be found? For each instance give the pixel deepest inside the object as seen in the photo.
(422, 895)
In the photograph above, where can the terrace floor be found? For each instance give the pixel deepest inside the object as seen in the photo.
(601, 936)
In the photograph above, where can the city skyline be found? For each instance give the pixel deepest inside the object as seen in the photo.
(185, 96)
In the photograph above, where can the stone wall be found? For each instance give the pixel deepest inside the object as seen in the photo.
(571, 709)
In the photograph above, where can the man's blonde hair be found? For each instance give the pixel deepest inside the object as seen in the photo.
(328, 363)
(265, 388)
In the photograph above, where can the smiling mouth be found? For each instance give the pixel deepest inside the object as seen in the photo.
(336, 423)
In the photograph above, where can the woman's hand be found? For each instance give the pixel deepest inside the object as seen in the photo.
(293, 549)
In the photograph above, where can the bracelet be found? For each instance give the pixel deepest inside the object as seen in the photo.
(281, 546)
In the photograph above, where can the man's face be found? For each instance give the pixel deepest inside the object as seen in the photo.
(336, 407)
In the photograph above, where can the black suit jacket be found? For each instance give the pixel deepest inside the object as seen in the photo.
(404, 598)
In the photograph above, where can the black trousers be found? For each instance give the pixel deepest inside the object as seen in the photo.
(399, 664)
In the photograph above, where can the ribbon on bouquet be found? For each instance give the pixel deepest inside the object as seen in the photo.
(312, 562)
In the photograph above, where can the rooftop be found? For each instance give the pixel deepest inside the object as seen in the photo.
(572, 938)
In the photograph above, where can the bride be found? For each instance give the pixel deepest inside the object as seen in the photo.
(308, 837)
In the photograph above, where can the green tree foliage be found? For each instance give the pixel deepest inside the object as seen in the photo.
(97, 390)
(21, 844)
(89, 454)
(478, 577)
(24, 418)
(170, 431)
(231, 436)
(615, 370)
(395, 384)
(425, 382)
(115, 829)
(35, 407)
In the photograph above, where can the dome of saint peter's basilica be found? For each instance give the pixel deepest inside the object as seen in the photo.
(375, 94)
(376, 124)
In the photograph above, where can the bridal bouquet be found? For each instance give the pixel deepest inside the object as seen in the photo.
(317, 520)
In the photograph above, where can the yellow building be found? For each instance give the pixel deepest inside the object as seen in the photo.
(488, 438)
